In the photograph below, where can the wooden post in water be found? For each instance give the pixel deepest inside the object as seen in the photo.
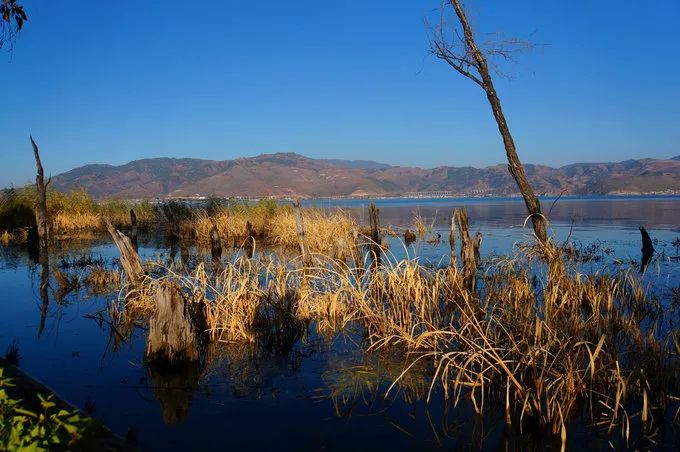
(373, 213)
(647, 249)
(469, 249)
(129, 258)
(302, 242)
(172, 338)
(40, 207)
(133, 230)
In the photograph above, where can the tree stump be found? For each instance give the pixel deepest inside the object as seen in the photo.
(469, 249)
(40, 207)
(647, 249)
(129, 258)
(172, 338)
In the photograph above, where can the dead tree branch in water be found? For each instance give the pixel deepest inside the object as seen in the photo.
(469, 59)
(40, 202)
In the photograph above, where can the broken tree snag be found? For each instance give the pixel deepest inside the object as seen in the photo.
(129, 258)
(215, 243)
(40, 207)
(469, 249)
(452, 239)
(647, 249)
(133, 229)
(172, 338)
(250, 240)
(375, 233)
(302, 241)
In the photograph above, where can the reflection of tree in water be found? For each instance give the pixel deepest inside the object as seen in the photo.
(173, 387)
(252, 370)
(360, 386)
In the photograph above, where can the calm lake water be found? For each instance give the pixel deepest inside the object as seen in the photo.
(319, 394)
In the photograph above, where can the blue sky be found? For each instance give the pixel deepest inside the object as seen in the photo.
(110, 82)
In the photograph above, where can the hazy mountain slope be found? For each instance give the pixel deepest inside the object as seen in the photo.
(290, 174)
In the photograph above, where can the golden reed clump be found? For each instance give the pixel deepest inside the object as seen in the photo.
(535, 336)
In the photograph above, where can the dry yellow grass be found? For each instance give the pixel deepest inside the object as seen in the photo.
(327, 233)
(537, 335)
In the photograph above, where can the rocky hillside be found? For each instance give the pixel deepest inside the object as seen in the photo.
(289, 174)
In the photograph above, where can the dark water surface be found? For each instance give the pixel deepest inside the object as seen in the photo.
(319, 394)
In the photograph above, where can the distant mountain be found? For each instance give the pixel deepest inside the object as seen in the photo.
(290, 174)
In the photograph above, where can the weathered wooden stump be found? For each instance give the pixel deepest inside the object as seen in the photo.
(172, 337)
(469, 249)
(249, 245)
(40, 209)
(647, 249)
(452, 239)
(129, 258)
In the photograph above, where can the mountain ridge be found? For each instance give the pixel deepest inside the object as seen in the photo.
(291, 174)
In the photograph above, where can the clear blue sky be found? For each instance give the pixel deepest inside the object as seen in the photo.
(114, 81)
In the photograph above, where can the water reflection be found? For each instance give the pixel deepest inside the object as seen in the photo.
(173, 387)
(299, 390)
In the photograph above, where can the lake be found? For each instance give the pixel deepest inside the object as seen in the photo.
(321, 393)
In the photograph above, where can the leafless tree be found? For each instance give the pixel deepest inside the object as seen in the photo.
(463, 53)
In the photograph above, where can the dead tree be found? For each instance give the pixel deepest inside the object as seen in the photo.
(250, 240)
(129, 258)
(647, 249)
(452, 239)
(302, 240)
(40, 207)
(172, 337)
(469, 249)
(466, 57)
(375, 234)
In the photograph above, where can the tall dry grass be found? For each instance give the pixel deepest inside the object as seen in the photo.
(536, 339)
(329, 233)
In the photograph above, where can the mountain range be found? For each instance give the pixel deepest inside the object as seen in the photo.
(290, 174)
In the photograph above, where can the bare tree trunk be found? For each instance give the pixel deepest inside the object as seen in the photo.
(514, 164)
(40, 207)
(469, 250)
(452, 239)
(129, 258)
(375, 234)
(647, 249)
(171, 337)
